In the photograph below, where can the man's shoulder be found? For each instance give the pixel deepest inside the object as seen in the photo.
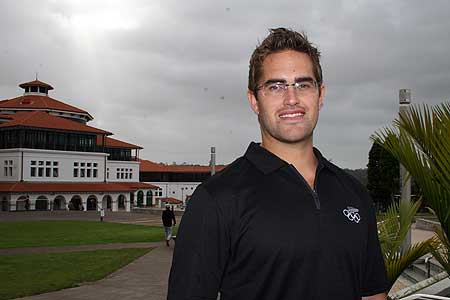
(231, 178)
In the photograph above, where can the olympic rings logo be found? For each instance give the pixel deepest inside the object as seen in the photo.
(352, 214)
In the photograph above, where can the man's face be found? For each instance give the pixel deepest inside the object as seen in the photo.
(292, 117)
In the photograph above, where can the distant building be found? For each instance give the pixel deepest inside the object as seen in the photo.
(50, 159)
(173, 181)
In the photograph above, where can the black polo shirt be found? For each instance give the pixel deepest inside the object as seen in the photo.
(257, 231)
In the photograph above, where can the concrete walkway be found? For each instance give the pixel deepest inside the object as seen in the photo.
(145, 278)
(37, 250)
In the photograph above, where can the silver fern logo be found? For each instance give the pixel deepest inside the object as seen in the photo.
(352, 214)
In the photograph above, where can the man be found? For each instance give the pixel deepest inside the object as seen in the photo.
(168, 219)
(281, 222)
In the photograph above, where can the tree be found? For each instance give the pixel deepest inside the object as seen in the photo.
(382, 176)
(392, 230)
(420, 140)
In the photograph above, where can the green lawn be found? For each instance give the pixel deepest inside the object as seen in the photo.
(66, 233)
(22, 275)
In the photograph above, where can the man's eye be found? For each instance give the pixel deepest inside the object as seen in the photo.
(304, 85)
(275, 87)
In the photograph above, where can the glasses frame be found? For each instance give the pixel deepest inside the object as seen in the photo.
(297, 86)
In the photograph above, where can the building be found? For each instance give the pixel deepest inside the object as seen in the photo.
(50, 159)
(174, 182)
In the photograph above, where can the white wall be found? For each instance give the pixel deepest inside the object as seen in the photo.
(64, 164)
(11, 161)
(178, 190)
(124, 169)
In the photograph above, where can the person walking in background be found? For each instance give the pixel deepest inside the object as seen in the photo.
(168, 219)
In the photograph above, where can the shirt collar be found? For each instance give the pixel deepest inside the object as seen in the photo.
(267, 162)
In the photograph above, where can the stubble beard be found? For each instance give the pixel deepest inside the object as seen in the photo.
(275, 133)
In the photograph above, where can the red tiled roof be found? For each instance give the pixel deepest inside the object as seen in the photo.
(170, 200)
(22, 187)
(113, 143)
(40, 119)
(6, 117)
(36, 83)
(149, 166)
(39, 102)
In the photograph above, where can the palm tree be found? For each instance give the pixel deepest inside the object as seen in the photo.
(392, 230)
(420, 140)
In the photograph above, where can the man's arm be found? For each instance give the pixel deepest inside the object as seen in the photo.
(201, 250)
(174, 220)
(381, 296)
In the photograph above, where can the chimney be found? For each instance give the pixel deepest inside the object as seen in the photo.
(213, 161)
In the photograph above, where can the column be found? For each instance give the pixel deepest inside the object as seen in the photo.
(114, 202)
(13, 203)
(32, 199)
(127, 205)
(100, 202)
(84, 202)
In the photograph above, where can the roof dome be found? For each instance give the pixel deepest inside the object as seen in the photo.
(36, 87)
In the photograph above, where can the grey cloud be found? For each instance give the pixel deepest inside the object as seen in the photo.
(174, 81)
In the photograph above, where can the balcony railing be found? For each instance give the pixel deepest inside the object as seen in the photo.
(425, 297)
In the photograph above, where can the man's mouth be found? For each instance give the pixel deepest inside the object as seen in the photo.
(291, 115)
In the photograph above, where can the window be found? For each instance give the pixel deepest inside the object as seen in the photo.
(33, 172)
(55, 163)
(85, 169)
(48, 172)
(75, 172)
(131, 175)
(40, 171)
(6, 171)
(55, 172)
(33, 162)
(48, 163)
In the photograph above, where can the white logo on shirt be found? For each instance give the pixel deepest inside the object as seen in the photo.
(352, 214)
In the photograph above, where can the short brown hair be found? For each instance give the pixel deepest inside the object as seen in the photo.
(278, 40)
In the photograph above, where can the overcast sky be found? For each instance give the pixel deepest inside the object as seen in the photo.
(171, 76)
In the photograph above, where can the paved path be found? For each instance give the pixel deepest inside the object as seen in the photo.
(144, 278)
(36, 250)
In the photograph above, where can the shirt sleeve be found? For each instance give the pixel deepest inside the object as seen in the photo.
(374, 278)
(201, 250)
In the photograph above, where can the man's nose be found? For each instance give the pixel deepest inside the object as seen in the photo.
(291, 96)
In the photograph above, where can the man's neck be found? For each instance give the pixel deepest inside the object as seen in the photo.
(300, 155)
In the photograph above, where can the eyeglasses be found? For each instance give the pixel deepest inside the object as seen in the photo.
(279, 89)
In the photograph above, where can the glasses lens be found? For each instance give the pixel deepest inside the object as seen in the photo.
(274, 89)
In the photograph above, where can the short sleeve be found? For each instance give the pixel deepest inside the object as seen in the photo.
(201, 250)
(374, 278)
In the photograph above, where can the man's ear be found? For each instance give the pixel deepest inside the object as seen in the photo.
(253, 101)
(322, 94)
